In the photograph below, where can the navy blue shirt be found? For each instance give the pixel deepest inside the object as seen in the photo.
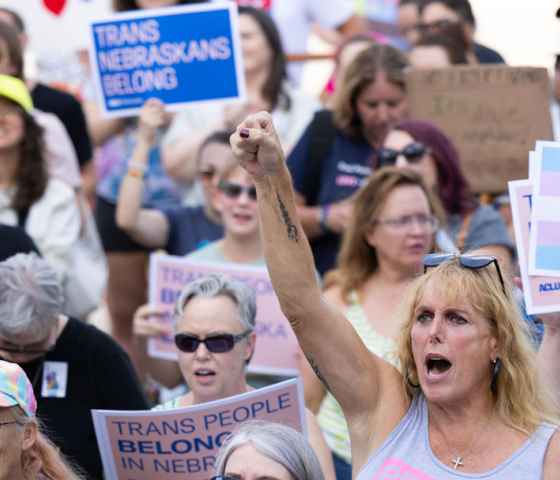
(343, 171)
(189, 229)
(487, 55)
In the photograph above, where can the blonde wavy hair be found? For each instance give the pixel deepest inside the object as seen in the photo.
(43, 457)
(357, 259)
(522, 401)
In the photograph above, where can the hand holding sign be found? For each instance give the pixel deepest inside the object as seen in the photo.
(152, 117)
(146, 324)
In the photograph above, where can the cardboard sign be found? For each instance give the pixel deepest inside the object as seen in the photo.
(493, 114)
(177, 54)
(541, 293)
(277, 349)
(184, 443)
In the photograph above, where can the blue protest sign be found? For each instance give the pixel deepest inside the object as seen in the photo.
(177, 54)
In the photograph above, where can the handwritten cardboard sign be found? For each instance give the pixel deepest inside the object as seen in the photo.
(277, 349)
(183, 443)
(493, 114)
(177, 54)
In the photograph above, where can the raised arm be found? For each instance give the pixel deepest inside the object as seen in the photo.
(147, 226)
(330, 344)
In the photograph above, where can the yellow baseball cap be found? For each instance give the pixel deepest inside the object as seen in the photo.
(15, 90)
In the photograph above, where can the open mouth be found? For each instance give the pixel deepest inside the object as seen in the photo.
(241, 217)
(204, 373)
(436, 364)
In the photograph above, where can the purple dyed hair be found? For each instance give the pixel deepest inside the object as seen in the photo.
(453, 188)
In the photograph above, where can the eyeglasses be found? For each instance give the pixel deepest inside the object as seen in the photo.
(13, 422)
(413, 153)
(225, 477)
(234, 190)
(436, 27)
(207, 174)
(429, 222)
(215, 343)
(467, 261)
(26, 351)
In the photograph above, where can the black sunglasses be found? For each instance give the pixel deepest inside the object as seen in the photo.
(412, 152)
(467, 261)
(233, 190)
(221, 343)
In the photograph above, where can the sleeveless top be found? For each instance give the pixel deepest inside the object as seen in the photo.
(406, 454)
(330, 417)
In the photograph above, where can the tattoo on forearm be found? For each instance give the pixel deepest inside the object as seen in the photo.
(292, 230)
(315, 368)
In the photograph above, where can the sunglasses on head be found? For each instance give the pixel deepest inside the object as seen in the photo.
(412, 152)
(222, 343)
(471, 262)
(234, 190)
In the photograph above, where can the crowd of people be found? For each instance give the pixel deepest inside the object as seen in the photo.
(398, 278)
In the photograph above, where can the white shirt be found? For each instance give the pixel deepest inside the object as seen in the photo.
(53, 222)
(294, 19)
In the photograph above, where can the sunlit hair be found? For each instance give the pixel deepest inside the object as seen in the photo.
(521, 400)
(357, 259)
(361, 73)
(43, 457)
(216, 285)
(277, 442)
(31, 296)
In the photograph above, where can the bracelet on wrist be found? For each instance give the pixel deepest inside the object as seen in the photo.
(135, 173)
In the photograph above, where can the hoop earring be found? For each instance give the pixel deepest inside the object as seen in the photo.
(497, 366)
(409, 382)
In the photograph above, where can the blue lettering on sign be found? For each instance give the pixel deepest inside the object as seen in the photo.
(188, 465)
(549, 287)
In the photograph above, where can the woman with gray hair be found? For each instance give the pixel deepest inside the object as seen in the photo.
(267, 450)
(73, 367)
(215, 340)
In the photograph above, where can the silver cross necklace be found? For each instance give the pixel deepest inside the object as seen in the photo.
(458, 461)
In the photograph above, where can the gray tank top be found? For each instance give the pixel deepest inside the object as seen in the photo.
(406, 454)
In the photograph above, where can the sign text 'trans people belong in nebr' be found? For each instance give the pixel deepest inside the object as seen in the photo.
(177, 54)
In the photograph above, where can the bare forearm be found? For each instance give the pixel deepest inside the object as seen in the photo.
(549, 360)
(130, 194)
(286, 246)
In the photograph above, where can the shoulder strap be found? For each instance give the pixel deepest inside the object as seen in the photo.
(22, 217)
(321, 140)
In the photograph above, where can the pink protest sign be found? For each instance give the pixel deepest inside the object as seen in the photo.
(184, 443)
(277, 349)
(542, 294)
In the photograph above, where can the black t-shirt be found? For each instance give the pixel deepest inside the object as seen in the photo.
(70, 113)
(14, 240)
(100, 376)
